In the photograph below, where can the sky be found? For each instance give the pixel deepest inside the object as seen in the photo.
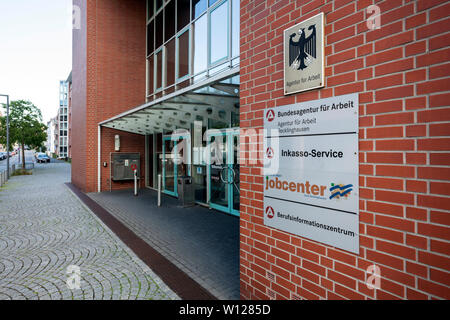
(35, 51)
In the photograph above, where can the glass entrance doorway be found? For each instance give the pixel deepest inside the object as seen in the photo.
(176, 160)
(223, 170)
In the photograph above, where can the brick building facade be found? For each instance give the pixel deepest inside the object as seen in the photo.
(401, 73)
(108, 78)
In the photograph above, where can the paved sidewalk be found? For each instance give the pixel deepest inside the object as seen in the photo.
(201, 242)
(44, 229)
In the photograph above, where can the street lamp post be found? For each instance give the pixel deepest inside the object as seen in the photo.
(7, 133)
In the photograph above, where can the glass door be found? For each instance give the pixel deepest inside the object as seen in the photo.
(176, 161)
(169, 166)
(223, 171)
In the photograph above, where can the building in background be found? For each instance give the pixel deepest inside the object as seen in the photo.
(52, 138)
(63, 120)
(69, 89)
(2, 149)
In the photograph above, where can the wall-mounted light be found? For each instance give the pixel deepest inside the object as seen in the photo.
(117, 142)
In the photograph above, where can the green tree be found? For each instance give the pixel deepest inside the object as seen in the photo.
(25, 126)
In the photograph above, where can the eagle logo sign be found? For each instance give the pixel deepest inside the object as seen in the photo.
(303, 50)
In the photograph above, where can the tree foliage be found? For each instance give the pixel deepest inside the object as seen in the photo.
(25, 125)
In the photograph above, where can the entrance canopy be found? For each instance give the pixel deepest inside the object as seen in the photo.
(216, 98)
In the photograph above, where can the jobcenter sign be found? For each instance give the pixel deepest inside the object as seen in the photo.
(311, 170)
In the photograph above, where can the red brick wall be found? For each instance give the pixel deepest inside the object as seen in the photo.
(78, 123)
(115, 33)
(401, 73)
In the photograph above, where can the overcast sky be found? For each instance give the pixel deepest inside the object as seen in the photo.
(35, 50)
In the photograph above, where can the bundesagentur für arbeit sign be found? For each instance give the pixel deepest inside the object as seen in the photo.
(311, 170)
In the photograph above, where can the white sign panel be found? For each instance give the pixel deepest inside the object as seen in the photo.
(311, 170)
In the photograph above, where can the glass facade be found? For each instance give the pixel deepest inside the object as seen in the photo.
(188, 41)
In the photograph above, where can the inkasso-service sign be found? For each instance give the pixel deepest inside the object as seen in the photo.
(311, 170)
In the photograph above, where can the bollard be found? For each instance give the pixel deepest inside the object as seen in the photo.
(159, 190)
(1, 179)
(135, 184)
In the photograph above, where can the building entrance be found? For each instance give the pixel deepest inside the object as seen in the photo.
(223, 170)
(176, 159)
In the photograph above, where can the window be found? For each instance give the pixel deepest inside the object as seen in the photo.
(183, 54)
(219, 33)
(198, 7)
(151, 74)
(187, 40)
(149, 9)
(159, 4)
(169, 12)
(150, 38)
(170, 59)
(159, 69)
(200, 44)
(159, 35)
(183, 13)
(235, 28)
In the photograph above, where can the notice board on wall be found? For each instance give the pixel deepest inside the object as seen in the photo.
(311, 170)
(124, 164)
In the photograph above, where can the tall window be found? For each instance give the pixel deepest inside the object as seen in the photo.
(198, 7)
(159, 27)
(151, 74)
(170, 63)
(235, 28)
(183, 13)
(159, 69)
(169, 16)
(188, 40)
(219, 32)
(200, 44)
(183, 54)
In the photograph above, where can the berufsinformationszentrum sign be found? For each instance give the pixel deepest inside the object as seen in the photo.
(304, 55)
(311, 170)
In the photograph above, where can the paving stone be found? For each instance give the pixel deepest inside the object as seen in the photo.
(202, 243)
(45, 229)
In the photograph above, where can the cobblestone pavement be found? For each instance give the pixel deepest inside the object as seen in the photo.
(44, 229)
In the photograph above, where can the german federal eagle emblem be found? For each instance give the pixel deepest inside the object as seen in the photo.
(302, 50)
(303, 55)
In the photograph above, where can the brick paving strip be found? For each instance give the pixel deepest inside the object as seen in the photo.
(44, 229)
(174, 277)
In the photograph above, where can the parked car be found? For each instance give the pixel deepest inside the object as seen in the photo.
(42, 158)
(3, 155)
